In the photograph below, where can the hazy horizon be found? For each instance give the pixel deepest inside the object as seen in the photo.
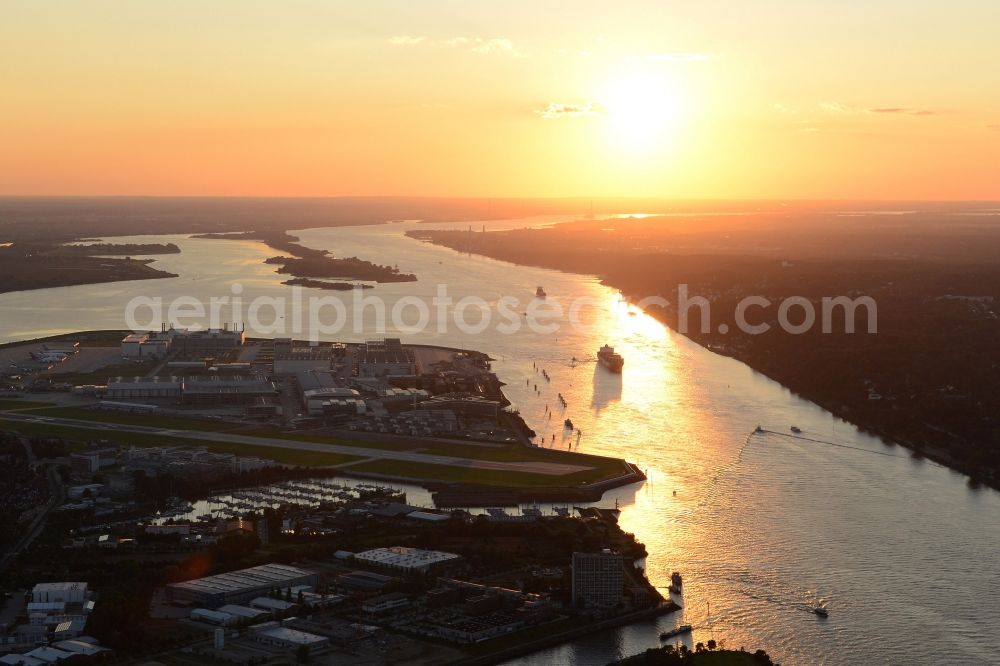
(786, 100)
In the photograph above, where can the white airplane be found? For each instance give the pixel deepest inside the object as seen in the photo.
(61, 350)
(48, 358)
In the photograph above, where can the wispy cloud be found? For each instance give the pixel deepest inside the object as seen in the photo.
(406, 40)
(568, 110)
(483, 45)
(994, 126)
(837, 108)
(903, 111)
(679, 57)
(840, 109)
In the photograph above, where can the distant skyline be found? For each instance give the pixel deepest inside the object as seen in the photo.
(781, 99)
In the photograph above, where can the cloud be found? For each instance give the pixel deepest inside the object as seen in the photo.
(837, 108)
(496, 45)
(568, 110)
(483, 45)
(679, 57)
(406, 40)
(994, 126)
(903, 111)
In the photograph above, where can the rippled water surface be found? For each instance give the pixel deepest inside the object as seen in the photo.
(763, 526)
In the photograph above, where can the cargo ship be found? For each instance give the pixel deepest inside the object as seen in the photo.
(609, 359)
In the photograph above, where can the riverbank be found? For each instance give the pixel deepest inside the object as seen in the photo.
(913, 381)
(578, 631)
(27, 266)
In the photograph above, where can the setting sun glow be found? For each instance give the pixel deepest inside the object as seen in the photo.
(674, 100)
(643, 112)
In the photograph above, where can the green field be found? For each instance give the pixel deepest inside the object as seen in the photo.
(274, 433)
(605, 467)
(131, 418)
(452, 474)
(18, 404)
(280, 455)
(601, 467)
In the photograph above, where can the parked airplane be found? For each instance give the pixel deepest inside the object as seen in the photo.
(72, 349)
(49, 357)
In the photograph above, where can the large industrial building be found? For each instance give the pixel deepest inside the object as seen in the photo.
(410, 560)
(239, 586)
(276, 635)
(598, 579)
(303, 359)
(131, 388)
(65, 593)
(200, 390)
(145, 345)
(212, 341)
(226, 390)
(385, 358)
(189, 343)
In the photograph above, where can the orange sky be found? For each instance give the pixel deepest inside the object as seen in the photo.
(769, 99)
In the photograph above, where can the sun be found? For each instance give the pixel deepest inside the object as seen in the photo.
(643, 109)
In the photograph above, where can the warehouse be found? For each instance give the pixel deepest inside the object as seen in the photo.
(212, 341)
(59, 593)
(272, 633)
(214, 617)
(239, 586)
(227, 390)
(146, 345)
(409, 560)
(269, 605)
(244, 613)
(384, 603)
(385, 358)
(305, 359)
(127, 388)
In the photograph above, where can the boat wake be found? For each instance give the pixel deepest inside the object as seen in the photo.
(839, 445)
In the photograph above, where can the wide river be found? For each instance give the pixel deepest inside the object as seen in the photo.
(763, 526)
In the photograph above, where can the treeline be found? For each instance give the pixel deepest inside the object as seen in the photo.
(704, 654)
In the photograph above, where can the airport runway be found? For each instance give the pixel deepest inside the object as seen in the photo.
(547, 468)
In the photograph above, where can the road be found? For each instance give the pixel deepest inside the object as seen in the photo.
(528, 467)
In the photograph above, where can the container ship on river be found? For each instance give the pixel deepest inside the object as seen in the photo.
(610, 360)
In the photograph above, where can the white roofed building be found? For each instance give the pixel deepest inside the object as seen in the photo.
(59, 593)
(410, 560)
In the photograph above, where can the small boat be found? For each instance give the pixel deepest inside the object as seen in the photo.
(539, 293)
(758, 429)
(683, 629)
(676, 582)
(796, 429)
(820, 611)
(568, 424)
